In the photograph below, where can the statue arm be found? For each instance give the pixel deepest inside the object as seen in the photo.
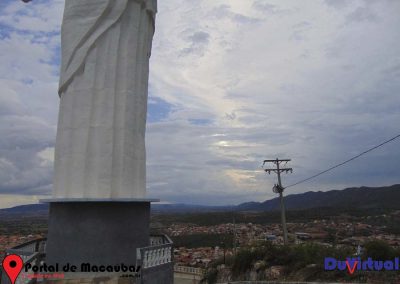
(83, 23)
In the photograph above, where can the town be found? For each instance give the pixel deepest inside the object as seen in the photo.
(212, 242)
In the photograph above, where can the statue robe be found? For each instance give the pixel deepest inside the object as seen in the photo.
(100, 144)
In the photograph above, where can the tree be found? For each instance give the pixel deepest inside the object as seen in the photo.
(379, 250)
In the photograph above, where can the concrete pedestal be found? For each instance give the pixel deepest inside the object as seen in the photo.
(98, 232)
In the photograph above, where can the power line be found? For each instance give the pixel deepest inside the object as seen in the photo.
(345, 162)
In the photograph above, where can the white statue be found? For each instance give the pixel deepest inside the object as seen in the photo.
(100, 145)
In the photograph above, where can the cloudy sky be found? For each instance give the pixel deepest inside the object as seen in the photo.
(232, 82)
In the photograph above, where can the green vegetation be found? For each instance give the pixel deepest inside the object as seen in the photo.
(294, 257)
(390, 221)
(379, 250)
(203, 240)
(211, 276)
(23, 226)
(303, 262)
(268, 217)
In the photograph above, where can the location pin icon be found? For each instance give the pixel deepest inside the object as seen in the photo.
(12, 265)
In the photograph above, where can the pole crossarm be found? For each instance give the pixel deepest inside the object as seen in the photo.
(279, 160)
(286, 170)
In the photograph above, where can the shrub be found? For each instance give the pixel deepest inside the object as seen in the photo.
(379, 250)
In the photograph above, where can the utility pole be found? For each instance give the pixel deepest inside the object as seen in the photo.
(234, 234)
(278, 188)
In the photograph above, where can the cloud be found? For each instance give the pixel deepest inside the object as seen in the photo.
(38, 17)
(362, 14)
(231, 83)
(28, 80)
(338, 4)
(198, 42)
(271, 9)
(299, 30)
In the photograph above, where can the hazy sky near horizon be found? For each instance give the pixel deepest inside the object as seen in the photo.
(232, 83)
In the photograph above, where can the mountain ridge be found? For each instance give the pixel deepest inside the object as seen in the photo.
(349, 198)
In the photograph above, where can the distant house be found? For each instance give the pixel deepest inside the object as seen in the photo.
(270, 238)
(302, 236)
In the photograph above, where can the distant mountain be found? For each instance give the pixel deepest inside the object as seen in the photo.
(185, 208)
(350, 198)
(30, 209)
(43, 209)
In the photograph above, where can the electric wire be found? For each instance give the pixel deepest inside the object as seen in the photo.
(345, 162)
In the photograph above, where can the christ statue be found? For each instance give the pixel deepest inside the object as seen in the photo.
(100, 145)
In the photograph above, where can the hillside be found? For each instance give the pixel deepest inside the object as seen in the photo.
(349, 198)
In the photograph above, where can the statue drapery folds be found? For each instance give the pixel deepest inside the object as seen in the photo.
(100, 146)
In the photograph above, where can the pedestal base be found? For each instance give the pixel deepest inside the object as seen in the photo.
(97, 232)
